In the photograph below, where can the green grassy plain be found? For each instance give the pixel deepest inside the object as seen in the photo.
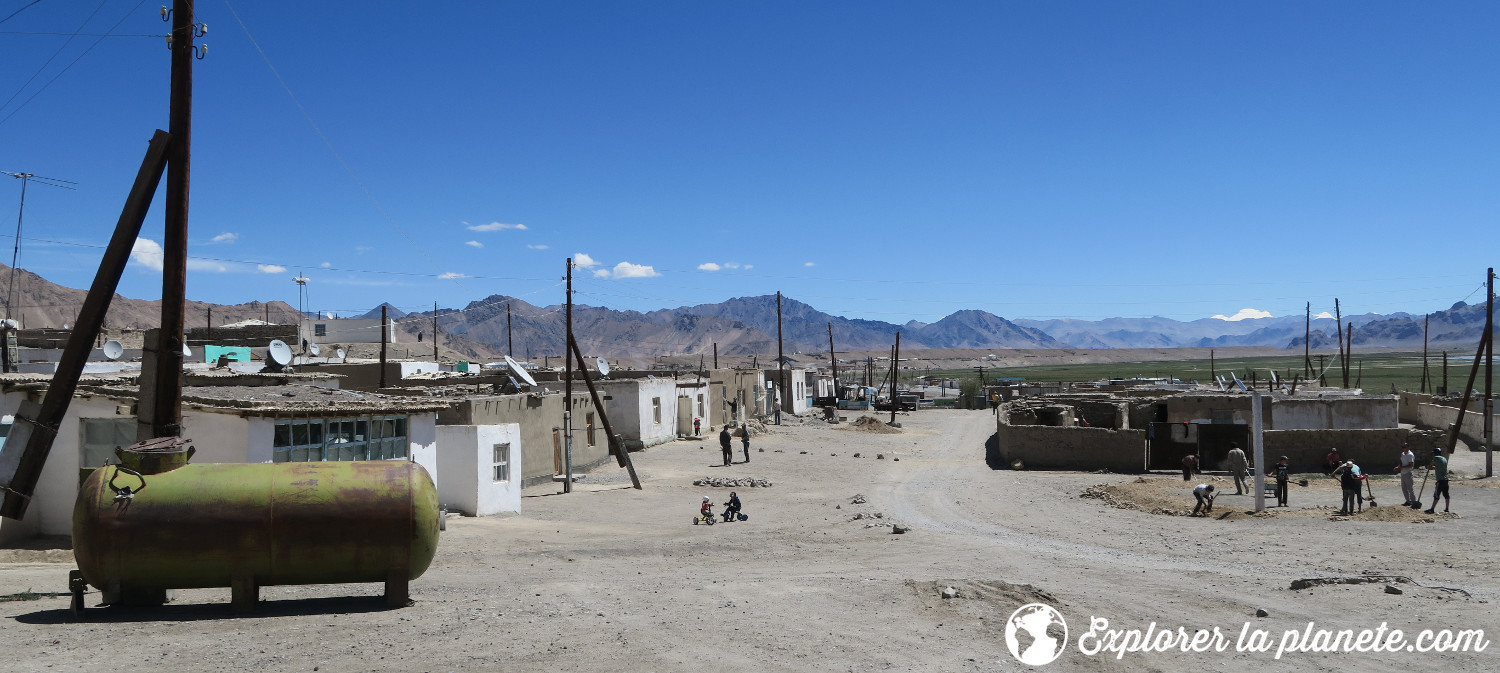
(1374, 372)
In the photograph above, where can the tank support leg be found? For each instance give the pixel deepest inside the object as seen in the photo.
(76, 586)
(243, 594)
(396, 593)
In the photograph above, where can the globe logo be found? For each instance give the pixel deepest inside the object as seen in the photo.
(1036, 634)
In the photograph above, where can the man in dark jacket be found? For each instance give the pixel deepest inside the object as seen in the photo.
(725, 442)
(732, 508)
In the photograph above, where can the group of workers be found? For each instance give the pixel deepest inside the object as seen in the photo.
(1351, 478)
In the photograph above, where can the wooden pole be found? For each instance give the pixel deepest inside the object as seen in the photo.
(781, 398)
(615, 445)
(510, 343)
(210, 328)
(1489, 371)
(568, 389)
(1348, 351)
(166, 406)
(716, 355)
(435, 355)
(1426, 325)
(833, 359)
(1445, 373)
(1338, 317)
(895, 372)
(31, 439)
(1307, 343)
(1463, 406)
(382, 345)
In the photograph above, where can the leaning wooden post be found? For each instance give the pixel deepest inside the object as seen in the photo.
(615, 444)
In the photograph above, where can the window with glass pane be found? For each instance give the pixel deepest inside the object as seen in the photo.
(502, 462)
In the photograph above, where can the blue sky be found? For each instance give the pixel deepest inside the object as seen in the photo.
(891, 161)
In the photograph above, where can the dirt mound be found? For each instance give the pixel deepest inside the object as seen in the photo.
(871, 424)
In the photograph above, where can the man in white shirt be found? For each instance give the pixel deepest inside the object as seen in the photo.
(1408, 461)
(1205, 495)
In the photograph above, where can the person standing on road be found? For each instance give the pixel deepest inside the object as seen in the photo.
(1283, 475)
(1205, 495)
(1405, 467)
(745, 440)
(1237, 466)
(726, 444)
(1349, 478)
(1439, 465)
(776, 409)
(1189, 466)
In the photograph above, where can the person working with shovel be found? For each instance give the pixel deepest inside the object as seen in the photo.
(1404, 467)
(1352, 482)
(1439, 466)
(1237, 467)
(1205, 495)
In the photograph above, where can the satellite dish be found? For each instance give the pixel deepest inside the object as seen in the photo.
(603, 366)
(340, 353)
(314, 349)
(11, 323)
(520, 371)
(279, 352)
(113, 350)
(186, 352)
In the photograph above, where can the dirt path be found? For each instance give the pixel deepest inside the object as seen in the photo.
(614, 579)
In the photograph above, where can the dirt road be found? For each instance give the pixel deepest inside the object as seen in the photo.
(610, 578)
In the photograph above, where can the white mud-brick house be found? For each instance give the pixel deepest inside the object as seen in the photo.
(227, 424)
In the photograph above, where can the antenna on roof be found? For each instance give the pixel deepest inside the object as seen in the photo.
(113, 350)
(603, 366)
(520, 371)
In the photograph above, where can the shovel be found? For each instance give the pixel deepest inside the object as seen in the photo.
(1418, 503)
(1371, 490)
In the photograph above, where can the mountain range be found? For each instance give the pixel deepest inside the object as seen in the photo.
(748, 326)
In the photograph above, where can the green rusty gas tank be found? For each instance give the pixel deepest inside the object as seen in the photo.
(157, 523)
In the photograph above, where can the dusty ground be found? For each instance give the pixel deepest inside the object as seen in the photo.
(614, 579)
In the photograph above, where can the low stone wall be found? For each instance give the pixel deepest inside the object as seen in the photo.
(254, 336)
(1439, 413)
(1375, 451)
(1041, 447)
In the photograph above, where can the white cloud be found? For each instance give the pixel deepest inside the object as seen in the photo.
(495, 226)
(709, 266)
(1324, 314)
(1245, 313)
(583, 261)
(326, 265)
(226, 237)
(628, 270)
(474, 244)
(270, 268)
(147, 253)
(362, 249)
(808, 264)
(601, 273)
(451, 275)
(731, 265)
(749, 267)
(536, 247)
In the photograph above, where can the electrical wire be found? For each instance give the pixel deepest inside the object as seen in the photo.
(336, 155)
(69, 65)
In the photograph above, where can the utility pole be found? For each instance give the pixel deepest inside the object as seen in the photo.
(1445, 373)
(716, 355)
(210, 322)
(568, 389)
(895, 372)
(1307, 344)
(1212, 373)
(781, 399)
(1349, 351)
(510, 344)
(1338, 317)
(1489, 373)
(435, 357)
(1426, 323)
(166, 406)
(382, 346)
(833, 358)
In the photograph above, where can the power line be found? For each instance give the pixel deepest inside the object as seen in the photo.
(67, 67)
(23, 8)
